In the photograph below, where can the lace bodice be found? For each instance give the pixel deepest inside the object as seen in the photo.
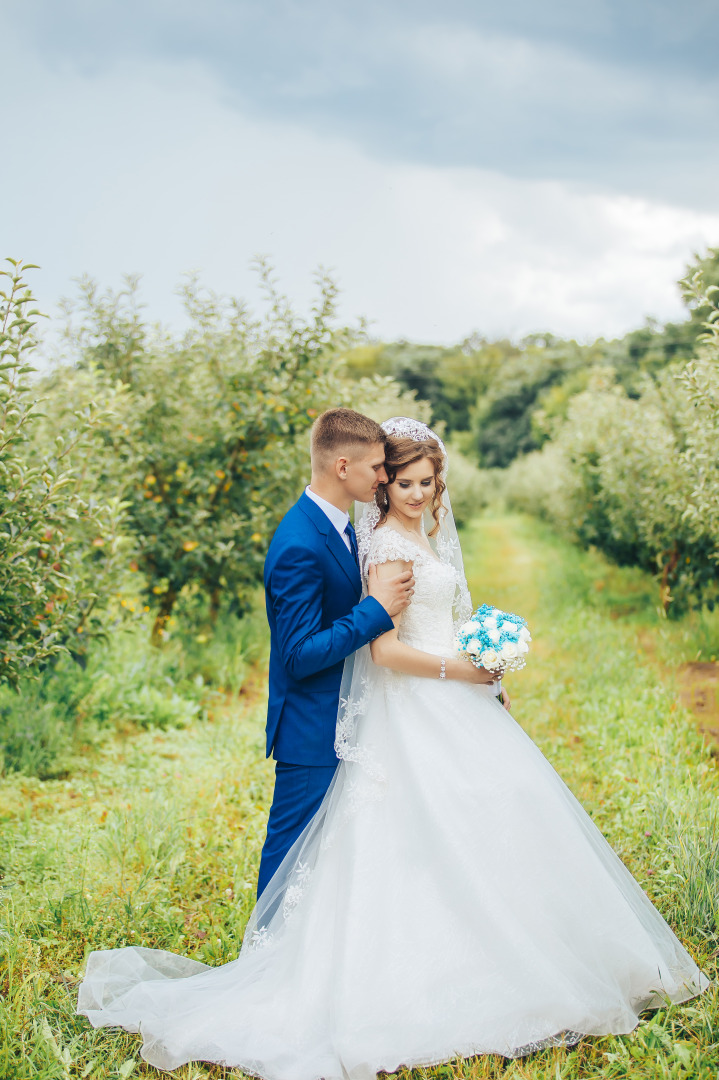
(427, 623)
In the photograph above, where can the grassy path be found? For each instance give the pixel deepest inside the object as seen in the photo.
(157, 839)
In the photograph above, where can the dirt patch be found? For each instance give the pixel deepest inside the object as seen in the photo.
(699, 692)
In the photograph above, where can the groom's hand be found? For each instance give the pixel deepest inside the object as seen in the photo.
(393, 593)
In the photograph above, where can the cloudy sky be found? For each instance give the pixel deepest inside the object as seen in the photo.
(470, 166)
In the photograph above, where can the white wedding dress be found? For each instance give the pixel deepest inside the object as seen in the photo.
(450, 898)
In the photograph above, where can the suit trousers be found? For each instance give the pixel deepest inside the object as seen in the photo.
(299, 791)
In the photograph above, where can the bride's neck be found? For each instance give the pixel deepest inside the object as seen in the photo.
(406, 524)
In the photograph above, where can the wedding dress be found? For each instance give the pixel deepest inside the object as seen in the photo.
(450, 898)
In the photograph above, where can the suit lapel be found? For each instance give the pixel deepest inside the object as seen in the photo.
(344, 557)
(334, 541)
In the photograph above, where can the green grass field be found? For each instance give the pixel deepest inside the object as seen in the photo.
(154, 835)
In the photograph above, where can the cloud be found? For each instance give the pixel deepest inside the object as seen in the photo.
(620, 96)
(147, 167)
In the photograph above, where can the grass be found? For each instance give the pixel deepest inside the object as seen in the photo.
(154, 835)
(68, 711)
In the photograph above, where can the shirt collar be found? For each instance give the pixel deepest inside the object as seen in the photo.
(339, 518)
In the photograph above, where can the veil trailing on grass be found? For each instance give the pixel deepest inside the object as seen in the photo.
(363, 776)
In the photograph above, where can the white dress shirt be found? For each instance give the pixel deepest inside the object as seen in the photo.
(339, 518)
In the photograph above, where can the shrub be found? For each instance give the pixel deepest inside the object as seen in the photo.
(639, 477)
(60, 546)
(470, 487)
(125, 686)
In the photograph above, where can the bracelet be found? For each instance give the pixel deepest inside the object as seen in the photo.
(443, 669)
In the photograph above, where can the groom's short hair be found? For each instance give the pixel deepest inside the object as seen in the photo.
(339, 431)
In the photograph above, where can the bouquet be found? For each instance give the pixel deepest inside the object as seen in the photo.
(495, 640)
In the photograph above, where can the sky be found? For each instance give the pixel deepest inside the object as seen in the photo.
(461, 168)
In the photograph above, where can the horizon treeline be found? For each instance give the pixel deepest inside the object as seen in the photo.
(616, 442)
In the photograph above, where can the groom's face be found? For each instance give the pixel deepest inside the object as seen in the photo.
(364, 470)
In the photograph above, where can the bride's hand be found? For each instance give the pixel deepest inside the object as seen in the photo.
(467, 672)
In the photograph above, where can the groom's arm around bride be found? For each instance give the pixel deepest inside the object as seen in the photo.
(317, 619)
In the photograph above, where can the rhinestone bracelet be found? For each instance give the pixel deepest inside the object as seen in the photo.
(442, 669)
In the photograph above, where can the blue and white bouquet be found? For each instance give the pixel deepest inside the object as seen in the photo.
(495, 640)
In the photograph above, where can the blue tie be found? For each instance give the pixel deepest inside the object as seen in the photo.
(350, 533)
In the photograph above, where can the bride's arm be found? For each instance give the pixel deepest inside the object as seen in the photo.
(388, 651)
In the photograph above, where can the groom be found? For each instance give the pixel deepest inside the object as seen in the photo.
(313, 589)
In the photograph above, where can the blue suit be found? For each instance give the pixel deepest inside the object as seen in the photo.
(312, 590)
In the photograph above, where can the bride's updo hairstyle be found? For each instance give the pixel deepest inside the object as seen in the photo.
(401, 451)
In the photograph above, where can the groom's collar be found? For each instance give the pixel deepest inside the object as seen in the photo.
(313, 512)
(334, 541)
(339, 518)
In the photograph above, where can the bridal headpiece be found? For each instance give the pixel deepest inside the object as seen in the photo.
(405, 427)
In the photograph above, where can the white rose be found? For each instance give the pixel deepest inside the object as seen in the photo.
(468, 628)
(493, 635)
(509, 651)
(489, 659)
(525, 634)
(496, 612)
(473, 648)
(522, 647)
(509, 627)
(489, 623)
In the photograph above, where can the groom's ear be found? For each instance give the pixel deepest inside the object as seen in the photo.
(341, 464)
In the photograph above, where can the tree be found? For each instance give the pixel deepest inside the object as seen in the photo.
(59, 548)
(209, 445)
(638, 476)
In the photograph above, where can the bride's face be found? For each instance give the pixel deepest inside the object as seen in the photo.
(412, 489)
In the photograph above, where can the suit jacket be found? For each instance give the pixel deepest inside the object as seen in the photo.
(312, 591)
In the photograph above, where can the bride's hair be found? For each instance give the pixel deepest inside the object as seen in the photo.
(401, 451)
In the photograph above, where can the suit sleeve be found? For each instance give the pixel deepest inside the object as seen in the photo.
(295, 587)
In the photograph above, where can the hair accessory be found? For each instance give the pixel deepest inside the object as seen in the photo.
(414, 429)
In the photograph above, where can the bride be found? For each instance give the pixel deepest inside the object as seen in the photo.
(449, 898)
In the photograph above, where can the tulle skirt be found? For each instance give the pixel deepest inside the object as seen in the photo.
(450, 898)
